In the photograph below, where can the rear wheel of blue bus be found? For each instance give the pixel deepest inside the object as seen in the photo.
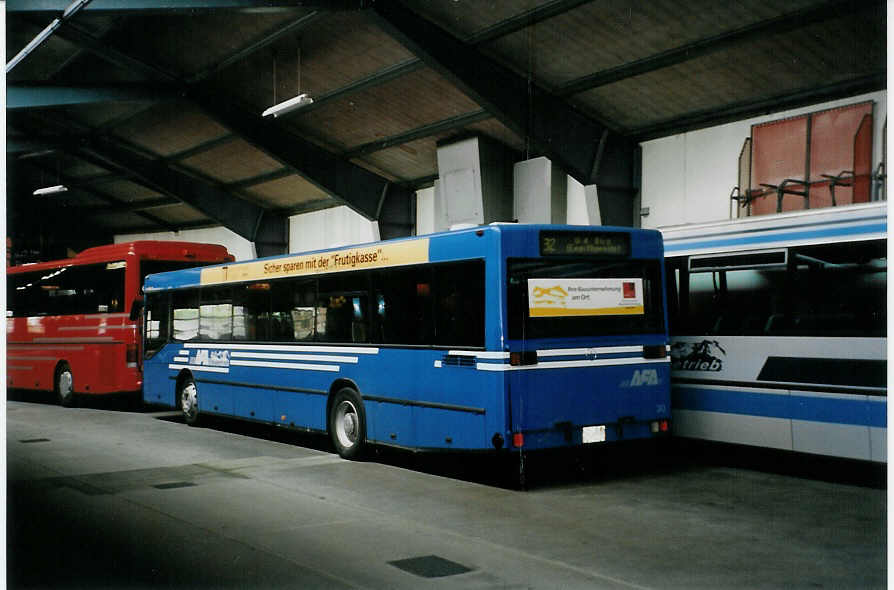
(189, 401)
(347, 423)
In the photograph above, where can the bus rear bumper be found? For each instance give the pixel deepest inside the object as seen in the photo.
(566, 434)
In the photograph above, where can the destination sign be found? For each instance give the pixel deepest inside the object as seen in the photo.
(569, 243)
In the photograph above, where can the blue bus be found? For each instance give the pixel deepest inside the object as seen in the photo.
(779, 331)
(497, 337)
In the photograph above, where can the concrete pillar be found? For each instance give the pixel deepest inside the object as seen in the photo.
(474, 185)
(330, 228)
(540, 192)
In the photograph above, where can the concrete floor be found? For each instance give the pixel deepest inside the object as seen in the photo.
(135, 499)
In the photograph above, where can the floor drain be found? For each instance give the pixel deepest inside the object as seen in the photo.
(173, 485)
(34, 440)
(430, 566)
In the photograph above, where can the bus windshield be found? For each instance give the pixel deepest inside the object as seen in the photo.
(583, 297)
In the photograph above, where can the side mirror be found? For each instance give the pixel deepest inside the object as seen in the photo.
(136, 310)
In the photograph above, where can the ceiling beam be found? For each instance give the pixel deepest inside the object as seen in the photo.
(573, 140)
(524, 20)
(349, 183)
(261, 178)
(67, 12)
(764, 106)
(267, 230)
(136, 7)
(780, 24)
(291, 28)
(34, 96)
(131, 206)
(112, 203)
(567, 135)
(418, 133)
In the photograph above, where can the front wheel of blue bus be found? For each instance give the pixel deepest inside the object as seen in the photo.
(347, 423)
(189, 402)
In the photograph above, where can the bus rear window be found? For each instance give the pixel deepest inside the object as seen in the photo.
(575, 298)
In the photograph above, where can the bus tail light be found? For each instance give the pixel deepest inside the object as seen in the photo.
(131, 354)
(518, 440)
(660, 426)
(526, 357)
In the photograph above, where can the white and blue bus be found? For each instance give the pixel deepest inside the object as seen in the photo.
(778, 331)
(505, 336)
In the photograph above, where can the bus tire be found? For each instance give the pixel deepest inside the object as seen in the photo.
(347, 423)
(188, 399)
(64, 386)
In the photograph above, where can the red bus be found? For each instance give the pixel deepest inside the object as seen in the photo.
(68, 322)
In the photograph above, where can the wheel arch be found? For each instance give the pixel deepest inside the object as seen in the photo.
(182, 376)
(337, 386)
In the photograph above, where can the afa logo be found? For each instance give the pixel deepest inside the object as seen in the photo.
(642, 377)
(212, 358)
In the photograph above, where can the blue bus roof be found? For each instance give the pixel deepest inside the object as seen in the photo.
(437, 247)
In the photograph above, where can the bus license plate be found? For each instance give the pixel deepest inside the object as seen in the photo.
(594, 434)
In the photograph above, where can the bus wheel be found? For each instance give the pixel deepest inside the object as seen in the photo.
(189, 402)
(65, 386)
(347, 424)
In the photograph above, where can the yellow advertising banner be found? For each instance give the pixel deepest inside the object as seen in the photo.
(565, 297)
(351, 258)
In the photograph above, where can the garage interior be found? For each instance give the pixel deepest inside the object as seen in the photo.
(149, 112)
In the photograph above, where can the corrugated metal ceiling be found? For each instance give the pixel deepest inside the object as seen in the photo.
(641, 69)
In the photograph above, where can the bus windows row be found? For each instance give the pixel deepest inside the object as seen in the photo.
(67, 290)
(440, 305)
(81, 289)
(832, 290)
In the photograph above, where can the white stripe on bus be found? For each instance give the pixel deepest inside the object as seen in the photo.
(200, 368)
(294, 357)
(284, 348)
(296, 366)
(595, 350)
(571, 364)
(482, 354)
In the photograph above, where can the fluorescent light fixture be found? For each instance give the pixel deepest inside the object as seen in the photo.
(50, 190)
(288, 106)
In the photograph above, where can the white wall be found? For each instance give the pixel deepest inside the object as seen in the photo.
(310, 231)
(687, 178)
(330, 228)
(238, 246)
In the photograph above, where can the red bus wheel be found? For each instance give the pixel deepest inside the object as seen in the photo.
(65, 386)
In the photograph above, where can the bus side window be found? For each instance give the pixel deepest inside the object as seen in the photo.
(343, 308)
(216, 314)
(186, 314)
(157, 311)
(403, 308)
(303, 313)
(281, 328)
(840, 290)
(459, 304)
(251, 312)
